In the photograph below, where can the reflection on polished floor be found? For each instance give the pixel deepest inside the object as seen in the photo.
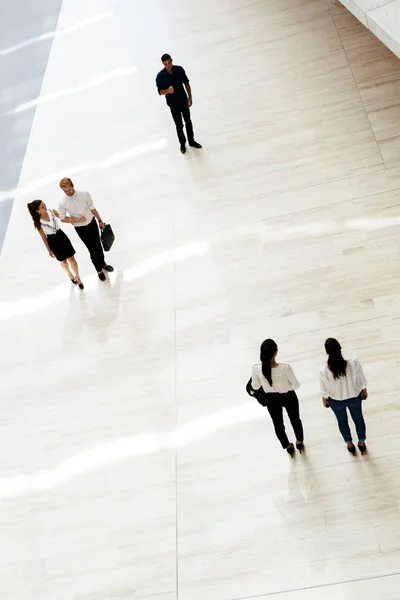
(133, 465)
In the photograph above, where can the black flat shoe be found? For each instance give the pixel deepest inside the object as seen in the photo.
(352, 449)
(300, 447)
(183, 148)
(102, 277)
(108, 268)
(362, 448)
(81, 286)
(195, 145)
(74, 281)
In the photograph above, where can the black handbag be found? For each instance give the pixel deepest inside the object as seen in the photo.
(107, 237)
(259, 395)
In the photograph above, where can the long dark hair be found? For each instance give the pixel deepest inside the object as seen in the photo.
(33, 208)
(267, 352)
(335, 362)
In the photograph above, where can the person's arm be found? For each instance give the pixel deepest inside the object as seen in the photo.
(189, 93)
(323, 389)
(99, 219)
(361, 380)
(163, 92)
(61, 214)
(71, 220)
(46, 243)
(185, 81)
(170, 90)
(292, 378)
(94, 212)
(255, 380)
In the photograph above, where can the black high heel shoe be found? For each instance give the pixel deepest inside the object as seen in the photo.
(300, 447)
(290, 450)
(362, 448)
(352, 449)
(74, 281)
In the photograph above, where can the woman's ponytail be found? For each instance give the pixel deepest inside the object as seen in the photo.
(267, 352)
(33, 208)
(335, 362)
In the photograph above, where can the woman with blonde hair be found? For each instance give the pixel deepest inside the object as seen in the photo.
(344, 386)
(273, 385)
(57, 243)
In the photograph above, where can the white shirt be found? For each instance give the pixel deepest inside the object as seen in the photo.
(345, 387)
(50, 227)
(283, 379)
(78, 205)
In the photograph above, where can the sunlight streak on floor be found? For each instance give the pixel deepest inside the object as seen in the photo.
(96, 81)
(28, 306)
(51, 34)
(160, 260)
(316, 229)
(125, 448)
(114, 159)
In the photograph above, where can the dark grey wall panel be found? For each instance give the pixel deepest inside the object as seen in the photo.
(21, 76)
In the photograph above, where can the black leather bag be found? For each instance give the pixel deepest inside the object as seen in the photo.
(259, 395)
(107, 237)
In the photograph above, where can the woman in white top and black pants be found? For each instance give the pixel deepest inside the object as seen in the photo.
(57, 243)
(274, 386)
(344, 386)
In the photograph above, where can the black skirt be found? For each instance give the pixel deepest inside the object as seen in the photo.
(60, 245)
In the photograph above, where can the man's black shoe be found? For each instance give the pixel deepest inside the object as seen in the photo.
(183, 148)
(101, 275)
(195, 145)
(108, 268)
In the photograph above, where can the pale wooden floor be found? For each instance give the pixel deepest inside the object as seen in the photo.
(132, 463)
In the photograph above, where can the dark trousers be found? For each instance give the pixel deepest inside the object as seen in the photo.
(177, 114)
(89, 235)
(354, 405)
(275, 404)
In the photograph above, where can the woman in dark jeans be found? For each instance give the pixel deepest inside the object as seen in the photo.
(344, 386)
(273, 385)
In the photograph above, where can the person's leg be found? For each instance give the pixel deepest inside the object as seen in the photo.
(74, 268)
(291, 403)
(339, 408)
(189, 124)
(89, 235)
(177, 117)
(274, 407)
(355, 408)
(65, 266)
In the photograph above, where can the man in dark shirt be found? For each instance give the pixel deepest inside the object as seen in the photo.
(170, 82)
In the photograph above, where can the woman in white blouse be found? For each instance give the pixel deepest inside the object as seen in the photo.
(57, 243)
(344, 386)
(274, 385)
